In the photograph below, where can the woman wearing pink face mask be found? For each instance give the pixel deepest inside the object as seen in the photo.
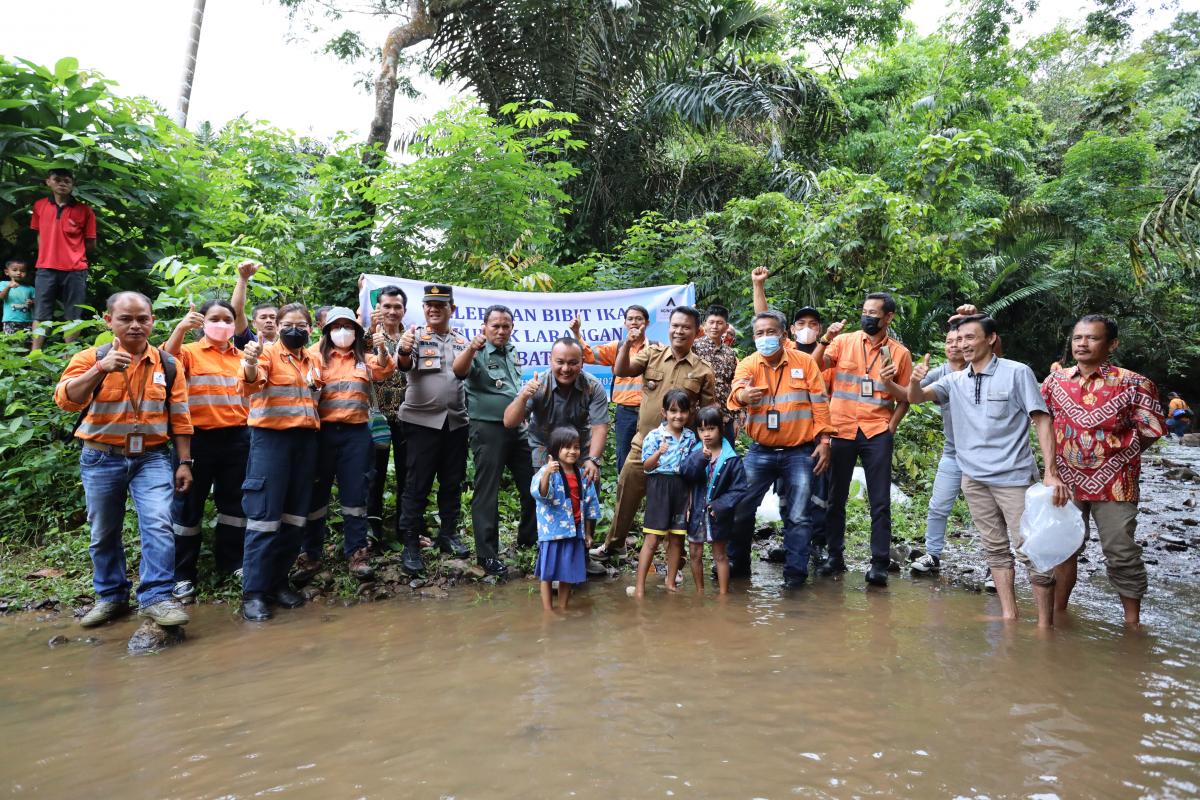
(220, 443)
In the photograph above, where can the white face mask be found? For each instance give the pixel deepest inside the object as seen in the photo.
(806, 335)
(341, 337)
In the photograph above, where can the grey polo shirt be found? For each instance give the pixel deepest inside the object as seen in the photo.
(933, 377)
(435, 397)
(580, 406)
(991, 414)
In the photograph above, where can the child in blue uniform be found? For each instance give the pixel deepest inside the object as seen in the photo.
(667, 497)
(567, 510)
(718, 483)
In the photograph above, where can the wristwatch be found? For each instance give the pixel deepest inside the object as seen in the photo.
(187, 462)
(594, 459)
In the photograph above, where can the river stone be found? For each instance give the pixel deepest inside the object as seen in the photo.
(1173, 542)
(1191, 439)
(475, 571)
(57, 641)
(455, 566)
(152, 637)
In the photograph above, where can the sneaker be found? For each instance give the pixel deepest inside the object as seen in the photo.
(237, 573)
(182, 590)
(166, 613)
(360, 563)
(104, 611)
(305, 568)
(926, 563)
(602, 552)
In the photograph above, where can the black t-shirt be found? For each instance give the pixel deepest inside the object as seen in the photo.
(240, 340)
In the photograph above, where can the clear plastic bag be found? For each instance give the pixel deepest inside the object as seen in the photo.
(1052, 533)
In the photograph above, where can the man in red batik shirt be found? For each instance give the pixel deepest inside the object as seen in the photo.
(1104, 417)
(66, 235)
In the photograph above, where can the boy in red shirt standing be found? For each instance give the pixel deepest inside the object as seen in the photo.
(66, 235)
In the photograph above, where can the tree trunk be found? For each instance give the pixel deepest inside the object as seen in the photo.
(189, 63)
(420, 27)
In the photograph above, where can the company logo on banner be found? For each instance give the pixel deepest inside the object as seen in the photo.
(541, 317)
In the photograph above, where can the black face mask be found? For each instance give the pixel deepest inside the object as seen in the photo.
(871, 325)
(293, 337)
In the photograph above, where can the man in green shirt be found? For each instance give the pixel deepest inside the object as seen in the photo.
(491, 373)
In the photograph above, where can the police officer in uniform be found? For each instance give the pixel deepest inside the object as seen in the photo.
(434, 414)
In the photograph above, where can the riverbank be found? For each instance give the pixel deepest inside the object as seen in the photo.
(55, 580)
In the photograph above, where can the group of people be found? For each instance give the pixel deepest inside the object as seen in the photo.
(264, 420)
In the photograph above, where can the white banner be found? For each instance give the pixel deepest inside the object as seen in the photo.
(541, 317)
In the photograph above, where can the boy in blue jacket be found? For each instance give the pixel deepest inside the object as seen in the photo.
(718, 485)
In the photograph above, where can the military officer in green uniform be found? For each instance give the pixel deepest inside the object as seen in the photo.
(491, 372)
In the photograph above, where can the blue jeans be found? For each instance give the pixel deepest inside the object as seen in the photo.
(946, 487)
(626, 418)
(794, 467)
(818, 502)
(347, 453)
(275, 496)
(108, 479)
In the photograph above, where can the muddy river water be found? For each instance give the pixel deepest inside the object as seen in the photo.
(840, 692)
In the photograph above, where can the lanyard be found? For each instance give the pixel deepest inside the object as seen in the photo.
(136, 402)
(299, 373)
(867, 371)
(783, 366)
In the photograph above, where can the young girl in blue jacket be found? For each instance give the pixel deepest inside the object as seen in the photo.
(718, 485)
(567, 510)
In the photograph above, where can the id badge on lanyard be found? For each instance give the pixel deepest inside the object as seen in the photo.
(135, 441)
(773, 420)
(866, 388)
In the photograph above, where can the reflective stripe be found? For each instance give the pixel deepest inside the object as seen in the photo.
(123, 407)
(235, 522)
(182, 531)
(325, 405)
(179, 408)
(346, 386)
(819, 501)
(319, 513)
(297, 392)
(293, 520)
(790, 397)
(786, 416)
(282, 411)
(216, 400)
(121, 429)
(874, 401)
(212, 380)
(354, 511)
(262, 525)
(818, 398)
(848, 377)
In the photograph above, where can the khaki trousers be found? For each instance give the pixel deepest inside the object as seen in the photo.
(631, 490)
(997, 511)
(1115, 522)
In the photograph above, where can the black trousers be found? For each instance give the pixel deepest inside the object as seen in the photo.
(399, 456)
(496, 448)
(876, 455)
(433, 453)
(220, 468)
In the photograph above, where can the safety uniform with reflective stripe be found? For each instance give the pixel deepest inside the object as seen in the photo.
(212, 378)
(625, 391)
(110, 418)
(283, 396)
(344, 397)
(793, 388)
(848, 409)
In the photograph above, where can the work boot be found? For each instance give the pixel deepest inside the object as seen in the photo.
(305, 569)
(452, 544)
(376, 526)
(286, 597)
(360, 563)
(165, 612)
(494, 566)
(818, 554)
(832, 566)
(254, 608)
(877, 575)
(776, 555)
(410, 559)
(104, 611)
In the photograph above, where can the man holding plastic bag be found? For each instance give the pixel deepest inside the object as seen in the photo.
(992, 402)
(1104, 417)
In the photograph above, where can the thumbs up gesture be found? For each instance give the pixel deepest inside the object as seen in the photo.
(834, 329)
(192, 320)
(409, 339)
(250, 352)
(921, 370)
(530, 388)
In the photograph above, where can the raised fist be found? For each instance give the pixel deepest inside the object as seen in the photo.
(246, 269)
(251, 351)
(760, 275)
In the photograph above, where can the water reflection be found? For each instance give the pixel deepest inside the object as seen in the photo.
(836, 692)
